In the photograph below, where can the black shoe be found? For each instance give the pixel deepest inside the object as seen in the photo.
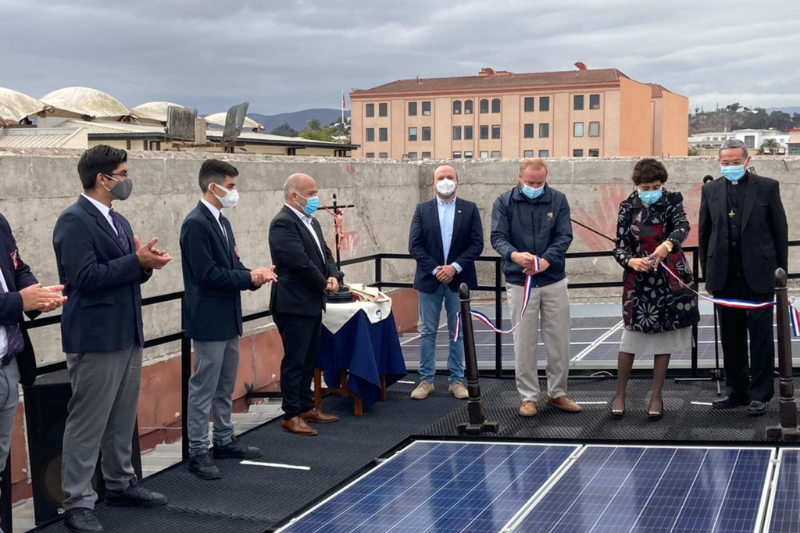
(235, 450)
(82, 520)
(655, 416)
(728, 402)
(617, 414)
(757, 408)
(135, 496)
(203, 467)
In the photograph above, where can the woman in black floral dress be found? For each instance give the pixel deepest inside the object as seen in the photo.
(658, 311)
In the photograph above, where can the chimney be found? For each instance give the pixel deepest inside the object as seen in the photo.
(486, 71)
(580, 65)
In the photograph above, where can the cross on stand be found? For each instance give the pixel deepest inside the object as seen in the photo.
(337, 212)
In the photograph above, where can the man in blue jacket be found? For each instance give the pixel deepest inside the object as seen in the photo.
(446, 238)
(102, 266)
(531, 226)
(213, 278)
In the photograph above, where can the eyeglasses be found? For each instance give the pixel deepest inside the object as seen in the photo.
(123, 175)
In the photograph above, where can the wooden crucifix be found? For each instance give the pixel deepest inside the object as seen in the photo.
(337, 212)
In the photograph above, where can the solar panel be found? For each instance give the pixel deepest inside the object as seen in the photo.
(783, 515)
(620, 489)
(439, 487)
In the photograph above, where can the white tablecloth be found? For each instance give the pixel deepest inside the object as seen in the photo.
(338, 314)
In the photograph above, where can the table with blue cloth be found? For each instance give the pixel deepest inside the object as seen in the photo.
(362, 356)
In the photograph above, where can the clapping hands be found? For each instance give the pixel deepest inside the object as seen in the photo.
(263, 275)
(43, 299)
(149, 257)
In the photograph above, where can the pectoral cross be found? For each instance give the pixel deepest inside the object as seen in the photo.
(732, 214)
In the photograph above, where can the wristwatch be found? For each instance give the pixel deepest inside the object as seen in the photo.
(668, 245)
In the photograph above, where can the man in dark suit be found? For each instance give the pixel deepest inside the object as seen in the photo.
(19, 292)
(307, 273)
(446, 238)
(213, 278)
(743, 238)
(102, 265)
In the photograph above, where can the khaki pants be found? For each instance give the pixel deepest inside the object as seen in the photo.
(552, 303)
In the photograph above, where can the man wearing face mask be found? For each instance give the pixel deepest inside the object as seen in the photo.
(446, 238)
(743, 239)
(307, 275)
(213, 278)
(102, 265)
(531, 225)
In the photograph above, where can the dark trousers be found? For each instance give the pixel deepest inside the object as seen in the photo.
(753, 380)
(300, 337)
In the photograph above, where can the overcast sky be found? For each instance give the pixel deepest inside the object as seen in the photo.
(286, 55)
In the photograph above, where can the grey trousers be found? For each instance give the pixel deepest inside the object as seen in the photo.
(216, 364)
(9, 398)
(552, 303)
(102, 416)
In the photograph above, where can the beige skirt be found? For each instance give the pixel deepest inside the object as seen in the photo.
(637, 342)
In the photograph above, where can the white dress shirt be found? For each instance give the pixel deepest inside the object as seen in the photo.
(214, 211)
(307, 222)
(3, 333)
(104, 209)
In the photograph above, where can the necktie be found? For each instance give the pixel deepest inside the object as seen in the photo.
(224, 233)
(13, 335)
(121, 236)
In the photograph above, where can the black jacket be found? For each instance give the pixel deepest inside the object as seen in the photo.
(17, 275)
(541, 227)
(213, 278)
(103, 312)
(765, 234)
(302, 271)
(425, 244)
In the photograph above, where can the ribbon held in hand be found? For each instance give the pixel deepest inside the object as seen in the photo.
(485, 319)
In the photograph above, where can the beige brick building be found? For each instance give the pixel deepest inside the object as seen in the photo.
(579, 113)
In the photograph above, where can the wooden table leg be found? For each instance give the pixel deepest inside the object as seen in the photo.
(383, 387)
(317, 389)
(359, 405)
(343, 390)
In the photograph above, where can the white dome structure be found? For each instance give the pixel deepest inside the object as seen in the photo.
(85, 102)
(218, 119)
(153, 111)
(14, 106)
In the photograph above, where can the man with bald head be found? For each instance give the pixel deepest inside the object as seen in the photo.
(446, 238)
(307, 273)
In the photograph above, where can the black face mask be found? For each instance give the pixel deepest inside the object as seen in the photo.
(122, 190)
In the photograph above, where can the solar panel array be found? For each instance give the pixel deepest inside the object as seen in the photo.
(784, 509)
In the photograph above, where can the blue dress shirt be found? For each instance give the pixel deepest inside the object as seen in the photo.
(447, 213)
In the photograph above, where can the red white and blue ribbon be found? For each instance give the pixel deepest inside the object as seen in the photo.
(485, 319)
(794, 320)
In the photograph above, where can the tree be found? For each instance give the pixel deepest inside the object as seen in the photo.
(733, 107)
(770, 146)
(757, 119)
(314, 124)
(317, 135)
(284, 130)
(780, 121)
(796, 120)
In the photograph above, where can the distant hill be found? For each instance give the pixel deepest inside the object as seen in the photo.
(298, 120)
(790, 110)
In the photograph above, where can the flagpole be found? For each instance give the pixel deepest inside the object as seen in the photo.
(343, 104)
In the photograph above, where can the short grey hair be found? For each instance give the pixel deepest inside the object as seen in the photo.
(733, 144)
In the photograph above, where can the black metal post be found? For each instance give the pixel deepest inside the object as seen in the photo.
(787, 430)
(717, 371)
(498, 316)
(186, 373)
(477, 417)
(695, 331)
(378, 271)
(6, 520)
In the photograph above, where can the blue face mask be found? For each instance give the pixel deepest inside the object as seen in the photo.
(311, 204)
(733, 173)
(650, 197)
(532, 192)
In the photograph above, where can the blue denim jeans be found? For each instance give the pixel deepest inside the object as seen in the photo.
(430, 308)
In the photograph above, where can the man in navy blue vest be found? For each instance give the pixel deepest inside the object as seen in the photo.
(446, 238)
(102, 265)
(213, 278)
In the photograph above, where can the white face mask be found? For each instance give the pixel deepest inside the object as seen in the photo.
(230, 199)
(446, 187)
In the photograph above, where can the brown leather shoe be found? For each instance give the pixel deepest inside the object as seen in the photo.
(565, 404)
(319, 417)
(298, 426)
(528, 408)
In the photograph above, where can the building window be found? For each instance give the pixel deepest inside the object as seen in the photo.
(467, 107)
(484, 106)
(426, 155)
(456, 107)
(383, 135)
(577, 102)
(370, 111)
(794, 149)
(412, 156)
(456, 133)
(426, 134)
(467, 155)
(370, 135)
(412, 134)
(529, 104)
(544, 153)
(528, 131)
(496, 154)
(485, 155)
(495, 131)
(544, 131)
(577, 153)
(750, 141)
(594, 101)
(594, 129)
(412, 109)
(484, 132)
(527, 153)
(495, 105)
(370, 155)
(383, 155)
(594, 152)
(456, 155)
(544, 103)
(426, 108)
(383, 110)
(577, 129)
(467, 133)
